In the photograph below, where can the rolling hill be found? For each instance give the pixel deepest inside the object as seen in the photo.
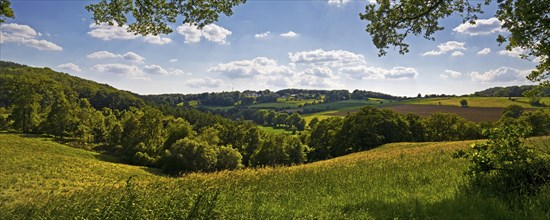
(44, 179)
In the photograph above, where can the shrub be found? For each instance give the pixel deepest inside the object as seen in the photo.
(504, 163)
(228, 158)
(188, 155)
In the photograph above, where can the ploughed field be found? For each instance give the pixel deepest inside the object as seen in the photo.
(475, 114)
(44, 179)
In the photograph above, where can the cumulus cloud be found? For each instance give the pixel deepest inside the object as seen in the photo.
(445, 48)
(319, 71)
(130, 71)
(70, 66)
(158, 70)
(24, 34)
(130, 56)
(204, 82)
(481, 27)
(157, 40)
(108, 32)
(515, 52)
(290, 34)
(450, 73)
(134, 57)
(102, 55)
(315, 82)
(211, 32)
(173, 60)
(457, 53)
(484, 51)
(334, 58)
(259, 66)
(262, 35)
(501, 74)
(370, 72)
(338, 3)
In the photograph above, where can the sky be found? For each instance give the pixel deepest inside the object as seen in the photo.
(265, 44)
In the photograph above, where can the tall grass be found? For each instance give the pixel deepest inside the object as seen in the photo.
(401, 180)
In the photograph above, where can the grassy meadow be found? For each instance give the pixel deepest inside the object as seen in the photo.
(44, 179)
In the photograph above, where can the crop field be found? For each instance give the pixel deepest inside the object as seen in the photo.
(500, 102)
(475, 114)
(43, 179)
(283, 103)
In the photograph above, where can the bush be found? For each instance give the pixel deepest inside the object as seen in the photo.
(228, 158)
(504, 163)
(188, 155)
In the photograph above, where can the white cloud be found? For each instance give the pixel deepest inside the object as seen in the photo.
(315, 82)
(191, 33)
(121, 69)
(204, 82)
(102, 55)
(24, 34)
(446, 47)
(211, 32)
(370, 72)
(484, 51)
(290, 34)
(319, 71)
(259, 66)
(338, 3)
(481, 27)
(501, 74)
(158, 70)
(262, 35)
(157, 40)
(334, 58)
(70, 66)
(515, 52)
(457, 53)
(130, 56)
(450, 73)
(173, 60)
(108, 32)
(134, 57)
(215, 33)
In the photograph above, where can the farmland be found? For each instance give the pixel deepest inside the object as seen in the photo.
(500, 102)
(44, 179)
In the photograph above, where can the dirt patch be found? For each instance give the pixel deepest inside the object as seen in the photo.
(475, 114)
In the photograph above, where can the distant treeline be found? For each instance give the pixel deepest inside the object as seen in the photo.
(249, 97)
(510, 91)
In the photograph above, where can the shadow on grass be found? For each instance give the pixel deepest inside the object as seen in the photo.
(466, 204)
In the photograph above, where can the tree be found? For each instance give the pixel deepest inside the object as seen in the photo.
(464, 103)
(513, 111)
(153, 16)
(527, 21)
(5, 10)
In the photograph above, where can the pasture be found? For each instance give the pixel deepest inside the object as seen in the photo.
(44, 179)
(475, 114)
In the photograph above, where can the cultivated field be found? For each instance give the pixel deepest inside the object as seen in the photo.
(43, 179)
(475, 114)
(497, 102)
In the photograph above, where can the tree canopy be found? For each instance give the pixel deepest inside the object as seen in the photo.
(527, 23)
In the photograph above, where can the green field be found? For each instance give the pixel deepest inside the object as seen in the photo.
(341, 108)
(43, 179)
(501, 102)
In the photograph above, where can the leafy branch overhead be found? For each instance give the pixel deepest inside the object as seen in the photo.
(153, 16)
(527, 23)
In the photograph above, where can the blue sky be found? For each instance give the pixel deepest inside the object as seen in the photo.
(310, 44)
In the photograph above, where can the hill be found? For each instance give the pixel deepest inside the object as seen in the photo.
(510, 91)
(44, 179)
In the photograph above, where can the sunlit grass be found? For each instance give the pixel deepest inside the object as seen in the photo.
(43, 179)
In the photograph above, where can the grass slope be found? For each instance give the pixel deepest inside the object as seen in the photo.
(40, 178)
